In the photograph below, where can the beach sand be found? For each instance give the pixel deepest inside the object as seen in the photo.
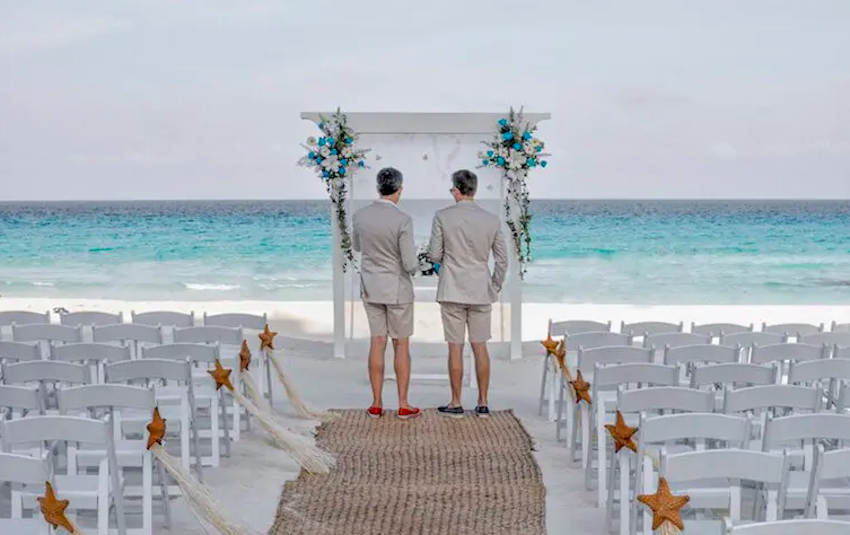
(248, 484)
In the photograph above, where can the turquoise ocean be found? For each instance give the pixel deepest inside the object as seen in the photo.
(600, 251)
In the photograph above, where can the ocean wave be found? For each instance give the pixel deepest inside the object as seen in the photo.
(210, 287)
(42, 284)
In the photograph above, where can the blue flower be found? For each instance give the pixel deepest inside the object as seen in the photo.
(500, 160)
(517, 146)
(312, 155)
(361, 163)
(507, 136)
(526, 136)
(319, 159)
(539, 148)
(344, 161)
(325, 174)
(349, 141)
(321, 126)
(485, 162)
(342, 170)
(532, 162)
(489, 153)
(330, 141)
(333, 151)
(503, 122)
(543, 163)
(322, 142)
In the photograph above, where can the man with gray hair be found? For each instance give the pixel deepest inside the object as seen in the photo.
(383, 234)
(462, 238)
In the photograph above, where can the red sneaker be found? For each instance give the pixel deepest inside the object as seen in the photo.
(407, 413)
(375, 412)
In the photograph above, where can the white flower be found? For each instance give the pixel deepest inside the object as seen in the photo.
(346, 153)
(503, 152)
(325, 151)
(311, 141)
(530, 149)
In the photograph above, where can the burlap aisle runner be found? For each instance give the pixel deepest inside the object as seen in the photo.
(432, 475)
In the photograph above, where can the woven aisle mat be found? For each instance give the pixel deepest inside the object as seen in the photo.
(430, 475)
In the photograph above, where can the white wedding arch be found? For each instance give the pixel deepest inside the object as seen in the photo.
(427, 148)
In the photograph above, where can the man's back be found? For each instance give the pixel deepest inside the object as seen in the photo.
(384, 236)
(461, 240)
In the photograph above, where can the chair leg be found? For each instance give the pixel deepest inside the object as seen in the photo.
(163, 490)
(625, 496)
(601, 461)
(553, 386)
(268, 367)
(541, 402)
(559, 418)
(215, 440)
(224, 425)
(185, 448)
(609, 505)
(147, 494)
(584, 410)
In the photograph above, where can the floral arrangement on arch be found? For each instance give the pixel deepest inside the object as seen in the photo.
(334, 156)
(515, 151)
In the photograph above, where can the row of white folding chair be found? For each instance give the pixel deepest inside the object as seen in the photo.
(792, 527)
(19, 470)
(152, 318)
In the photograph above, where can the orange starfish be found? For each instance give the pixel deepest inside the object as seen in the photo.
(561, 356)
(267, 338)
(581, 388)
(622, 434)
(550, 345)
(244, 357)
(665, 507)
(156, 429)
(54, 510)
(221, 376)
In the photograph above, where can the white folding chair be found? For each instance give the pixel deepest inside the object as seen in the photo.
(834, 468)
(131, 335)
(165, 320)
(47, 376)
(793, 527)
(750, 339)
(719, 330)
(786, 354)
(18, 402)
(130, 453)
(660, 341)
(839, 327)
(20, 470)
(829, 339)
(253, 322)
(89, 318)
(101, 491)
(174, 388)
(45, 334)
(792, 329)
(648, 328)
(557, 329)
(697, 474)
(833, 373)
(606, 381)
(21, 317)
(11, 352)
(90, 354)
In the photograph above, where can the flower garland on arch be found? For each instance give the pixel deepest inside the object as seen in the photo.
(334, 156)
(514, 150)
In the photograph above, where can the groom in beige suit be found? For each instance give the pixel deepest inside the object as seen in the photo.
(462, 238)
(383, 235)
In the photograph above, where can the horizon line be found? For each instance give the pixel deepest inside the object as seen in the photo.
(309, 199)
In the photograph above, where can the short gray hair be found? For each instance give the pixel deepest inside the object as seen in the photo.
(465, 181)
(389, 180)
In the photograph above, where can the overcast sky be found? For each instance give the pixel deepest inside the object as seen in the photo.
(133, 99)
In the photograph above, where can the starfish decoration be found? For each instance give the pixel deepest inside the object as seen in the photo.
(665, 507)
(221, 376)
(267, 338)
(550, 345)
(622, 434)
(156, 429)
(581, 388)
(561, 355)
(244, 357)
(54, 510)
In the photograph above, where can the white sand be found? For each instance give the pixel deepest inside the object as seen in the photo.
(249, 483)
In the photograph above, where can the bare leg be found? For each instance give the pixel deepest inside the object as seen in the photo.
(376, 369)
(456, 372)
(482, 370)
(401, 348)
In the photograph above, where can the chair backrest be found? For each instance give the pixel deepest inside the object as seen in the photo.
(828, 465)
(641, 373)
(792, 329)
(787, 352)
(731, 463)
(120, 332)
(733, 430)
(664, 398)
(46, 332)
(699, 353)
(88, 352)
(89, 318)
(24, 469)
(590, 340)
(793, 527)
(589, 358)
(660, 341)
(110, 395)
(828, 338)
(720, 329)
(163, 318)
(19, 397)
(208, 334)
(23, 317)
(749, 338)
(816, 370)
(50, 428)
(46, 370)
(840, 327)
(148, 369)
(734, 373)
(560, 328)
(19, 351)
(193, 352)
(823, 425)
(648, 328)
(243, 321)
(757, 398)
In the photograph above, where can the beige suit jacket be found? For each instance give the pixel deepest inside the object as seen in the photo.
(462, 238)
(384, 236)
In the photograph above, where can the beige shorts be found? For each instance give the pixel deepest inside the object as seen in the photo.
(457, 318)
(395, 321)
